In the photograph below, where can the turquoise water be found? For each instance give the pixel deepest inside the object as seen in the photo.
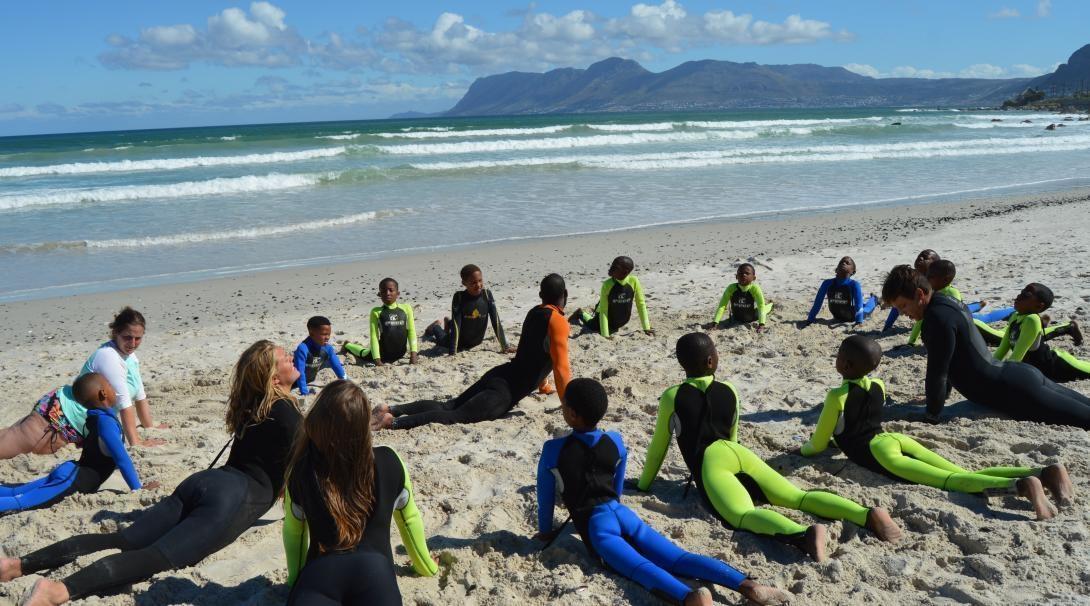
(102, 211)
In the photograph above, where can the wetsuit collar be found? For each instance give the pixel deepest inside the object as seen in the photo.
(747, 287)
(702, 383)
(864, 382)
(390, 306)
(587, 437)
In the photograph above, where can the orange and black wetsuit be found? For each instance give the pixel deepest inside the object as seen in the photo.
(543, 348)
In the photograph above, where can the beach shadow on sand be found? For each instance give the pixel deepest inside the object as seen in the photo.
(172, 590)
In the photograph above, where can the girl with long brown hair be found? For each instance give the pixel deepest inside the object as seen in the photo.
(207, 511)
(344, 492)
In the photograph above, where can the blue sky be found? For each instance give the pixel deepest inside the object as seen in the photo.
(77, 66)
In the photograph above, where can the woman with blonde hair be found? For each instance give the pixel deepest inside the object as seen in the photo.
(342, 492)
(206, 512)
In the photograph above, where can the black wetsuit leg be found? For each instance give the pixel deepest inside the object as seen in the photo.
(489, 398)
(1043, 400)
(359, 578)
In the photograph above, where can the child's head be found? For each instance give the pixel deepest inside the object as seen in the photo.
(857, 357)
(845, 268)
(1033, 299)
(127, 330)
(472, 279)
(320, 329)
(621, 267)
(941, 273)
(94, 391)
(905, 288)
(554, 291)
(696, 354)
(925, 259)
(746, 274)
(388, 291)
(584, 403)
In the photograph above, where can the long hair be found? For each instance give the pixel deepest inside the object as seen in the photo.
(252, 390)
(336, 442)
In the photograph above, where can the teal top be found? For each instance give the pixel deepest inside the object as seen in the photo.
(75, 412)
(122, 373)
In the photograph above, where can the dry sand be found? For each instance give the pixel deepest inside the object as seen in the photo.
(475, 483)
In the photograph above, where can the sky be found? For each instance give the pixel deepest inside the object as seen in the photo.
(75, 66)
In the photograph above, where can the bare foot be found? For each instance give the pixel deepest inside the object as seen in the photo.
(1075, 332)
(151, 442)
(699, 597)
(763, 594)
(1056, 480)
(377, 413)
(384, 421)
(813, 542)
(10, 568)
(1045, 320)
(1032, 489)
(883, 526)
(45, 593)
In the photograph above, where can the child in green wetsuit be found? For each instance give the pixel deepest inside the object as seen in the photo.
(393, 329)
(744, 299)
(614, 308)
(703, 414)
(852, 415)
(1024, 338)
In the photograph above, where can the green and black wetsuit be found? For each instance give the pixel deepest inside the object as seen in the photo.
(393, 333)
(1024, 341)
(703, 414)
(615, 306)
(746, 304)
(852, 415)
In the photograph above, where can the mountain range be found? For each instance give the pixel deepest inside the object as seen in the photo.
(623, 85)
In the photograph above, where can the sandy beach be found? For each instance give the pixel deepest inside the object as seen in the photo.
(475, 483)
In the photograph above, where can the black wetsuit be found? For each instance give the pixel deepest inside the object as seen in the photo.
(469, 321)
(206, 513)
(957, 356)
(364, 575)
(544, 333)
(862, 420)
(1045, 359)
(704, 417)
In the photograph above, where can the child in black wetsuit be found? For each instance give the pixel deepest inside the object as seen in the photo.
(470, 312)
(744, 300)
(614, 307)
(393, 329)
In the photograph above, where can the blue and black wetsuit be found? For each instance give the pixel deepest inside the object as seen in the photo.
(206, 512)
(846, 301)
(957, 356)
(310, 358)
(103, 452)
(469, 319)
(587, 469)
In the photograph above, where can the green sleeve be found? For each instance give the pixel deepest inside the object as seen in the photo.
(1004, 343)
(375, 333)
(660, 442)
(1031, 331)
(826, 425)
(641, 303)
(410, 525)
(724, 303)
(917, 328)
(412, 326)
(954, 293)
(296, 540)
(737, 409)
(603, 307)
(759, 301)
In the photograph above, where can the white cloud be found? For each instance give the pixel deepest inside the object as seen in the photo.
(1025, 70)
(169, 35)
(908, 71)
(1005, 13)
(863, 69)
(1044, 8)
(983, 70)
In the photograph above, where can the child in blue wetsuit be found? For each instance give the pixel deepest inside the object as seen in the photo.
(315, 353)
(103, 452)
(845, 296)
(393, 329)
(614, 308)
(587, 468)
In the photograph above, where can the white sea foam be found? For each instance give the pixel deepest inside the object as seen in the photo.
(622, 128)
(211, 187)
(78, 168)
(346, 137)
(481, 132)
(469, 147)
(728, 124)
(229, 138)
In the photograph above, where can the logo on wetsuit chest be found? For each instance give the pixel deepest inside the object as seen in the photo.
(623, 298)
(476, 313)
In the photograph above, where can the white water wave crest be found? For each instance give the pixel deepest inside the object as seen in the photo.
(480, 132)
(469, 147)
(120, 193)
(78, 168)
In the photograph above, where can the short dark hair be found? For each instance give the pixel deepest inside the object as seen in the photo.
(383, 281)
(552, 287)
(902, 281)
(83, 385)
(943, 268)
(468, 270)
(587, 398)
(694, 349)
(1042, 292)
(749, 265)
(125, 318)
(863, 352)
(317, 322)
(625, 263)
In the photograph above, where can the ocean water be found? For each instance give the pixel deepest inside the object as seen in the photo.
(103, 211)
